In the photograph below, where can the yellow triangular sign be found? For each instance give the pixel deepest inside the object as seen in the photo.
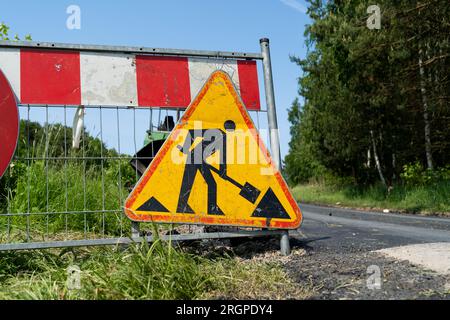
(214, 169)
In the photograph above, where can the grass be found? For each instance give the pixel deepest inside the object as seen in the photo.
(425, 199)
(156, 271)
(254, 280)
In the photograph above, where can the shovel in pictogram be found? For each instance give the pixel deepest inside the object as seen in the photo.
(248, 191)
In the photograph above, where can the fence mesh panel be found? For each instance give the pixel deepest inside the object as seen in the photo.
(55, 192)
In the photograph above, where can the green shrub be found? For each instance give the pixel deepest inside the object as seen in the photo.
(416, 175)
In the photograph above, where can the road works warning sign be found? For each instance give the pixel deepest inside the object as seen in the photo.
(9, 123)
(214, 169)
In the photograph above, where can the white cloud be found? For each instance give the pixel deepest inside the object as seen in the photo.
(295, 5)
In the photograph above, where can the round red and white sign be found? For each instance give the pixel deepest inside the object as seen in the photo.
(9, 123)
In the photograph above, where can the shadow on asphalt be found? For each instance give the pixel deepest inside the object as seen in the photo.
(247, 248)
(304, 242)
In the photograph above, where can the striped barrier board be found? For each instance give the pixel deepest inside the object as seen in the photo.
(71, 77)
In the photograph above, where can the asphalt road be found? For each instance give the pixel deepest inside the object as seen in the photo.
(343, 229)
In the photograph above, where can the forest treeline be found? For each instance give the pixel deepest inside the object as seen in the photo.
(375, 104)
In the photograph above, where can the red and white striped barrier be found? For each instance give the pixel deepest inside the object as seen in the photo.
(61, 77)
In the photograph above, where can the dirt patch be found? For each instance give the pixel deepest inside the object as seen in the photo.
(345, 275)
(253, 269)
(328, 274)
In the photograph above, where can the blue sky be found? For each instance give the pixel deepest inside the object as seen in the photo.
(190, 24)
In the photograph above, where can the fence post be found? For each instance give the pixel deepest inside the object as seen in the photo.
(273, 125)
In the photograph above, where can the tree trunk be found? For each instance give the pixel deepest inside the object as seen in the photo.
(369, 158)
(426, 119)
(377, 160)
(394, 164)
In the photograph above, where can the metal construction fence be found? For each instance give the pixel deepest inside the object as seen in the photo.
(61, 193)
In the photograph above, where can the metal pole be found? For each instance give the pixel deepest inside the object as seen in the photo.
(270, 101)
(285, 246)
(135, 229)
(273, 125)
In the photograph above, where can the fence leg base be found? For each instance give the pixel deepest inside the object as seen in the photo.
(285, 246)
